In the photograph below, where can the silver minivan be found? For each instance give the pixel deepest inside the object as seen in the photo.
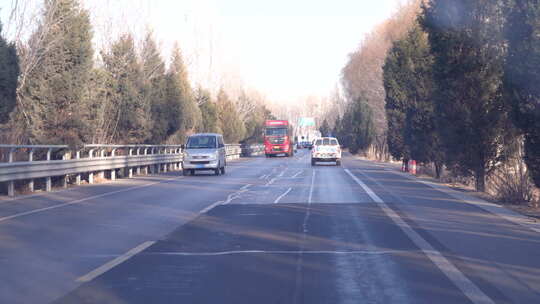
(204, 151)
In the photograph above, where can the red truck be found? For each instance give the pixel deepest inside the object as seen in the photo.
(278, 138)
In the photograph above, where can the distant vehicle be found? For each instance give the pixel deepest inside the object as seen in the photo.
(326, 149)
(278, 138)
(204, 151)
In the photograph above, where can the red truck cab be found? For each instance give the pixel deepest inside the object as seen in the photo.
(278, 138)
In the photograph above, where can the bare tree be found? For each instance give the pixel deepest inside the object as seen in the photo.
(362, 76)
(29, 26)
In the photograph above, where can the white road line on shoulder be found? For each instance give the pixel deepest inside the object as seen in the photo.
(495, 209)
(466, 286)
(17, 215)
(282, 196)
(298, 173)
(109, 265)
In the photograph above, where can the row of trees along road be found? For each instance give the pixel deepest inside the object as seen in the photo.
(462, 86)
(362, 84)
(55, 90)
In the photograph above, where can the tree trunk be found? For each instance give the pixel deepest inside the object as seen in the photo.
(480, 176)
(438, 169)
(406, 164)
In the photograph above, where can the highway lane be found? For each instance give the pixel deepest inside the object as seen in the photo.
(47, 241)
(275, 231)
(324, 234)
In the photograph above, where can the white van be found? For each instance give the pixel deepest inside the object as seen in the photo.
(204, 151)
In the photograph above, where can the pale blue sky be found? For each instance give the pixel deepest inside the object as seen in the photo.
(295, 8)
(286, 49)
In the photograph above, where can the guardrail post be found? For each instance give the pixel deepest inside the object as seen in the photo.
(78, 176)
(101, 174)
(31, 159)
(129, 170)
(175, 164)
(65, 177)
(152, 167)
(165, 165)
(11, 184)
(158, 165)
(138, 167)
(181, 158)
(146, 167)
(113, 171)
(48, 180)
(91, 174)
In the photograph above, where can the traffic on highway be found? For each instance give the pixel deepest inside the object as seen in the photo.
(271, 230)
(269, 152)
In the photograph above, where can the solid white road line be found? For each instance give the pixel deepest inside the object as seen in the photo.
(109, 265)
(5, 218)
(282, 196)
(466, 286)
(218, 253)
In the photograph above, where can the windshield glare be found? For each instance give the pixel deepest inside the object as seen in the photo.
(276, 132)
(201, 142)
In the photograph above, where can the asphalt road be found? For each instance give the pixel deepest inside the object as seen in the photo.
(270, 231)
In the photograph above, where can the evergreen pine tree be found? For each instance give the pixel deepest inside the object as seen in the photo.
(408, 81)
(355, 130)
(522, 76)
(186, 115)
(154, 83)
(325, 128)
(132, 119)
(466, 41)
(229, 121)
(55, 90)
(209, 113)
(9, 73)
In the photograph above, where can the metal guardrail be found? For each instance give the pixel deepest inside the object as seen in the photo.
(252, 150)
(233, 151)
(89, 161)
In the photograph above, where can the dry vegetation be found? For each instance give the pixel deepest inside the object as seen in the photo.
(362, 76)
